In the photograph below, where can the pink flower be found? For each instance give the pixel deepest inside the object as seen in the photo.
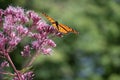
(3, 41)
(50, 43)
(17, 13)
(4, 64)
(21, 30)
(26, 51)
(46, 51)
(1, 13)
(34, 16)
(14, 40)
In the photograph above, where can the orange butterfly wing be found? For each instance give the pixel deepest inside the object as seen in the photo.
(51, 20)
(65, 29)
(60, 27)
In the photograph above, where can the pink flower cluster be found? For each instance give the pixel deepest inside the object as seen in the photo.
(18, 24)
(26, 76)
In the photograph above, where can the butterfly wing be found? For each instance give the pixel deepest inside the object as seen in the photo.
(65, 29)
(53, 22)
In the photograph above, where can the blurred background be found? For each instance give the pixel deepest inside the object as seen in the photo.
(94, 54)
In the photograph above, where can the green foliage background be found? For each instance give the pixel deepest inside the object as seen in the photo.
(94, 54)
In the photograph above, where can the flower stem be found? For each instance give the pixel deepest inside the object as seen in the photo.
(32, 59)
(7, 73)
(13, 66)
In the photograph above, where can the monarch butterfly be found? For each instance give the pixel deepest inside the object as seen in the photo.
(60, 27)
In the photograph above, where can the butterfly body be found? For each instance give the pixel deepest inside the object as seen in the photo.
(57, 24)
(60, 27)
